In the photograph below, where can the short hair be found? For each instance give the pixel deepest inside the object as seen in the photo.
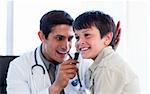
(53, 18)
(103, 22)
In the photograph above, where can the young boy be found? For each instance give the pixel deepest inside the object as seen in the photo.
(109, 74)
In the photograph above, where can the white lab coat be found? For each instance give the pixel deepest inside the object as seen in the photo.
(21, 81)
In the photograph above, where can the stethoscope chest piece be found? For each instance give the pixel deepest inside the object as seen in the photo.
(75, 82)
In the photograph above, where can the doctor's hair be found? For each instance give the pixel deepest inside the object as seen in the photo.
(103, 22)
(53, 18)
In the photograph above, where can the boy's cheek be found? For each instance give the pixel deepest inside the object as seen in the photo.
(77, 47)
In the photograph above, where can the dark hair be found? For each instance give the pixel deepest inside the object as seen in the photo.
(53, 18)
(103, 22)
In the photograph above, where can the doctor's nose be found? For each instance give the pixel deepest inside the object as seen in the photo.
(66, 45)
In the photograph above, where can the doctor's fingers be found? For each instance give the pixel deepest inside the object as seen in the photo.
(67, 74)
(64, 77)
(70, 61)
(69, 70)
(68, 66)
(70, 75)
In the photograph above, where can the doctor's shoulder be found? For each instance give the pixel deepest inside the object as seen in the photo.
(23, 61)
(19, 71)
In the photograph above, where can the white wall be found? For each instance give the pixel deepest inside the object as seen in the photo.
(137, 41)
(3, 20)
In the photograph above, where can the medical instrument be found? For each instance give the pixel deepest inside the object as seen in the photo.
(76, 58)
(75, 82)
(36, 63)
(38, 74)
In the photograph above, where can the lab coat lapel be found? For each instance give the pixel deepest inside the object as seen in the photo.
(39, 74)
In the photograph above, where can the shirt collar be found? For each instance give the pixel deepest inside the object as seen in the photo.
(105, 52)
(46, 62)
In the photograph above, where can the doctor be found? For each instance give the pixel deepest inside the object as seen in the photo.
(28, 74)
(47, 70)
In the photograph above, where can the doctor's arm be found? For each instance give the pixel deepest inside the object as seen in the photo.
(16, 80)
(117, 35)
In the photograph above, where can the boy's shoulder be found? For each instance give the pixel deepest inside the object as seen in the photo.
(117, 64)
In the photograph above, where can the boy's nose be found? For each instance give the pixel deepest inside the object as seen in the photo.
(81, 41)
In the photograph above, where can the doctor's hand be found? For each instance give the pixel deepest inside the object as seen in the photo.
(67, 70)
(117, 35)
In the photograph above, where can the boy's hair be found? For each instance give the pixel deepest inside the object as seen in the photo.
(53, 18)
(103, 22)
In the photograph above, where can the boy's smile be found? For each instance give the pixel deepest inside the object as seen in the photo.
(89, 42)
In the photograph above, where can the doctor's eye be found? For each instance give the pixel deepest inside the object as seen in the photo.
(70, 38)
(59, 38)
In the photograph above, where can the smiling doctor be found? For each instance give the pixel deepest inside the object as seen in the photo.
(46, 70)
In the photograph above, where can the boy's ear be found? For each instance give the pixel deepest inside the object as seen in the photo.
(41, 36)
(108, 38)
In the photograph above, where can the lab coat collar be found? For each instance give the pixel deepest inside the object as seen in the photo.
(39, 60)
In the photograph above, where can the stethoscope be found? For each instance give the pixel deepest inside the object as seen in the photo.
(38, 74)
(36, 63)
(73, 83)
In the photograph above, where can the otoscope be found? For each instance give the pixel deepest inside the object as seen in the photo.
(76, 56)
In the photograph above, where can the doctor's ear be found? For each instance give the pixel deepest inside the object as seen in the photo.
(108, 38)
(41, 36)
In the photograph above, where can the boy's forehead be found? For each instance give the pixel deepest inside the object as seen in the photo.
(89, 28)
(84, 30)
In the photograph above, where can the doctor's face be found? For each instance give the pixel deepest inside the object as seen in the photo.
(58, 43)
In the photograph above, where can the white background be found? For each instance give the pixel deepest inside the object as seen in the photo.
(19, 24)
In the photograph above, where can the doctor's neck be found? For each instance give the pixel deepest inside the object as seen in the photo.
(43, 52)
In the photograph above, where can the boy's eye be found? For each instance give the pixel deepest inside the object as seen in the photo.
(87, 35)
(77, 38)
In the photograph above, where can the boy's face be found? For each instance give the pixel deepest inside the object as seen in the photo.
(58, 43)
(89, 42)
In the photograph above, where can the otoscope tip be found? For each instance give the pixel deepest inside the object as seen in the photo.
(76, 55)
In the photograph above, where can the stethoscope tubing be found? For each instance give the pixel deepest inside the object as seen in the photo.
(36, 63)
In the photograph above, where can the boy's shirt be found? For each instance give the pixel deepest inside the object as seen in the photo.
(109, 74)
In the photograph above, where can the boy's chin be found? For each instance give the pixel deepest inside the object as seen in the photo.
(86, 57)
